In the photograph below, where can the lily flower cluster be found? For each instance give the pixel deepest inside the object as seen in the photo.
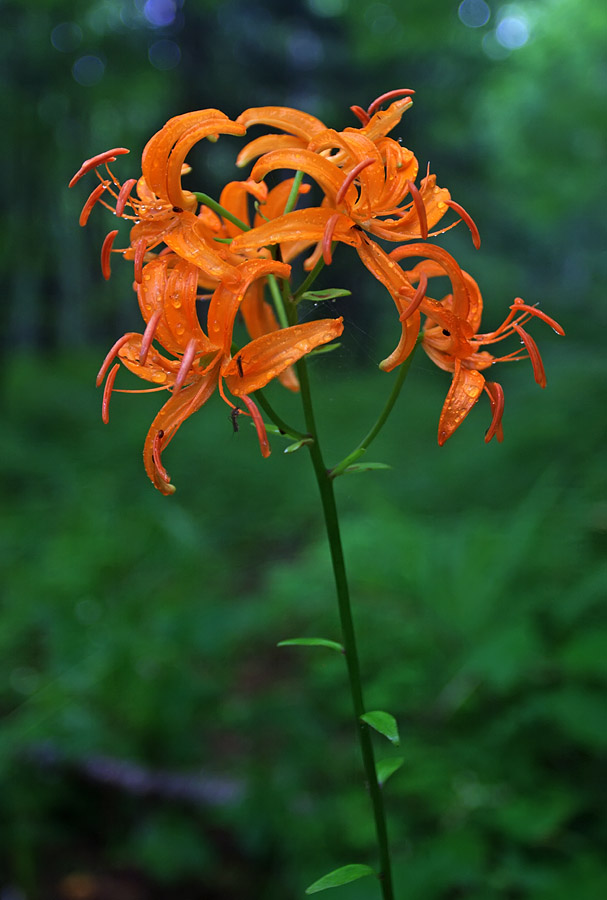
(186, 247)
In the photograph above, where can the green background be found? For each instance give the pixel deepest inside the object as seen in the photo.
(154, 742)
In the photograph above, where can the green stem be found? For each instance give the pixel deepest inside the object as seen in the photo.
(325, 486)
(311, 278)
(275, 418)
(403, 371)
(220, 210)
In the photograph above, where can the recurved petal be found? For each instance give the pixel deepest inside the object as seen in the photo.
(465, 390)
(235, 198)
(171, 287)
(158, 368)
(157, 150)
(267, 357)
(164, 427)
(226, 299)
(301, 124)
(299, 225)
(326, 175)
(266, 143)
(188, 241)
(212, 126)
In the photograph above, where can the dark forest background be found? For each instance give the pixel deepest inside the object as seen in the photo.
(154, 742)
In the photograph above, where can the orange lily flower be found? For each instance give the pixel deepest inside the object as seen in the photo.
(452, 340)
(162, 207)
(203, 361)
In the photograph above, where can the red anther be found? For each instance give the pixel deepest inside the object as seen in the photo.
(350, 177)
(94, 161)
(107, 393)
(534, 311)
(106, 249)
(390, 95)
(93, 197)
(361, 114)
(262, 436)
(420, 209)
(123, 196)
(476, 238)
(186, 364)
(327, 238)
(140, 248)
(148, 336)
(534, 354)
(110, 356)
(495, 393)
(417, 299)
(156, 451)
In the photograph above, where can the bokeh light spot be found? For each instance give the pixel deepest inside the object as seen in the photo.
(66, 36)
(474, 13)
(164, 55)
(160, 12)
(512, 32)
(88, 70)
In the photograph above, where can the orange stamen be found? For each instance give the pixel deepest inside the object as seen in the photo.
(327, 237)
(417, 299)
(186, 365)
(107, 393)
(110, 356)
(259, 426)
(534, 311)
(148, 336)
(534, 354)
(140, 248)
(360, 114)
(156, 451)
(420, 209)
(94, 161)
(390, 95)
(350, 177)
(476, 237)
(123, 196)
(106, 249)
(93, 198)
(495, 393)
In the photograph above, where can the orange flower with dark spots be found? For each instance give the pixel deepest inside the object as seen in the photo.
(452, 339)
(201, 362)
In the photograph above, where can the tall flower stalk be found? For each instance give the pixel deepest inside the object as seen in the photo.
(240, 252)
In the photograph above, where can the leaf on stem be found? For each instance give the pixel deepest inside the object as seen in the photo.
(364, 467)
(312, 642)
(387, 767)
(344, 875)
(326, 348)
(384, 723)
(298, 445)
(328, 294)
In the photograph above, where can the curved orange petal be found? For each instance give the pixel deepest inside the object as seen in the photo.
(235, 198)
(165, 152)
(266, 357)
(266, 143)
(158, 368)
(226, 299)
(327, 176)
(299, 225)
(466, 388)
(301, 124)
(174, 412)
(188, 241)
(259, 319)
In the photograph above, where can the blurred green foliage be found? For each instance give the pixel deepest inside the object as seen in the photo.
(152, 733)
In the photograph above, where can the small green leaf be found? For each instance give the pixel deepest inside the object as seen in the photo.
(326, 348)
(329, 294)
(340, 876)
(312, 642)
(384, 723)
(364, 467)
(298, 445)
(387, 767)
